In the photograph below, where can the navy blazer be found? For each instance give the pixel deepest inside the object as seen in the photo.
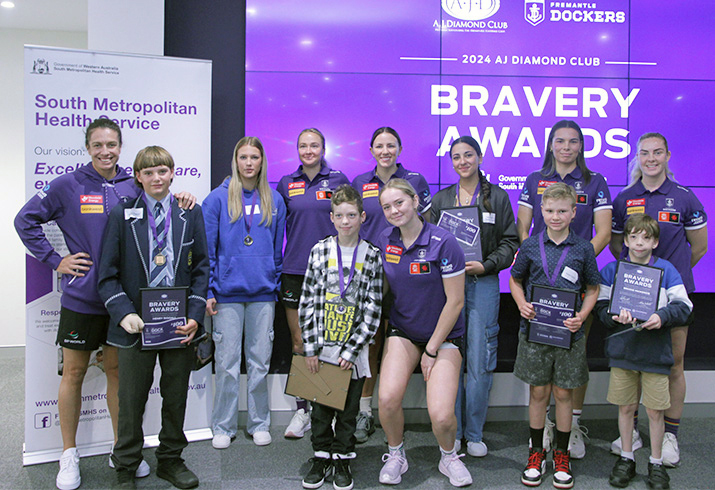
(124, 264)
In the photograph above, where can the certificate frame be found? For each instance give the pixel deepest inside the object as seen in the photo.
(552, 306)
(162, 310)
(633, 289)
(463, 223)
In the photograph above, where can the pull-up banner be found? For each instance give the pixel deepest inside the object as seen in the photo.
(156, 101)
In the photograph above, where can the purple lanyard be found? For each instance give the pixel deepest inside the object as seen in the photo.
(248, 217)
(343, 286)
(152, 223)
(474, 196)
(545, 264)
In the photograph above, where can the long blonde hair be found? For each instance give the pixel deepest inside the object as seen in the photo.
(634, 166)
(235, 186)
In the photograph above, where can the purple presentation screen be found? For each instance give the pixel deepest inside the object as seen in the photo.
(503, 72)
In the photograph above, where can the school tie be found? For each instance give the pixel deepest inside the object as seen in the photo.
(159, 273)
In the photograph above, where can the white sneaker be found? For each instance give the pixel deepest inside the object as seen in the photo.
(68, 477)
(671, 451)
(299, 425)
(221, 441)
(616, 446)
(577, 443)
(452, 467)
(262, 438)
(477, 449)
(142, 471)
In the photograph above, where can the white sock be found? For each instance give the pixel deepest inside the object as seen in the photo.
(366, 404)
(576, 417)
(447, 453)
(655, 461)
(628, 455)
(397, 449)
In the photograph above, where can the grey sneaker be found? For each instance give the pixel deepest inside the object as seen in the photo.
(365, 427)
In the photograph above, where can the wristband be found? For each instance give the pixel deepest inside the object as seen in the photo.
(433, 356)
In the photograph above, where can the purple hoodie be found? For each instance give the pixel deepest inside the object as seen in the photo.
(80, 203)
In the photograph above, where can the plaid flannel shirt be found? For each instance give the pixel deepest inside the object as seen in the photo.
(368, 307)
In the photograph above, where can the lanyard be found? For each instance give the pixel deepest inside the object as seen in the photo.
(152, 223)
(545, 264)
(248, 217)
(341, 276)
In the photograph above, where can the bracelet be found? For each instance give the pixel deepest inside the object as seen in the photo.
(433, 356)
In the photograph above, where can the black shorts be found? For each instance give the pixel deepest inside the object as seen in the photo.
(81, 331)
(387, 301)
(393, 331)
(291, 289)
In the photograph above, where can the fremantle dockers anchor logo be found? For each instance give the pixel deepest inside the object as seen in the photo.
(534, 11)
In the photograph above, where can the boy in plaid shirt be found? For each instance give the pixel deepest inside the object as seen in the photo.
(339, 313)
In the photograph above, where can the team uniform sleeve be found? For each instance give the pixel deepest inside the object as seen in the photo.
(527, 197)
(109, 285)
(451, 257)
(306, 307)
(695, 217)
(369, 312)
(601, 199)
(29, 221)
(424, 194)
(619, 214)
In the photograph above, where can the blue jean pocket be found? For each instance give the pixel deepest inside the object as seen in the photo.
(492, 334)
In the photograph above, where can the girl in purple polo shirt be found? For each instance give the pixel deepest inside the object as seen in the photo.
(385, 147)
(683, 242)
(424, 266)
(564, 161)
(306, 193)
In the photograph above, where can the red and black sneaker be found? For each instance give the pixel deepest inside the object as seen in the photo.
(562, 469)
(535, 468)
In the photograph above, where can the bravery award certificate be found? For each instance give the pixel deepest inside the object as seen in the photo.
(463, 223)
(552, 306)
(636, 288)
(163, 309)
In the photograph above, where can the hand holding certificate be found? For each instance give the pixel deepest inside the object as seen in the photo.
(552, 307)
(636, 289)
(164, 315)
(463, 223)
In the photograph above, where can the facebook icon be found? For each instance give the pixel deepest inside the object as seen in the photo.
(42, 420)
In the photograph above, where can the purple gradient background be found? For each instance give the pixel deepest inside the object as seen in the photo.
(336, 66)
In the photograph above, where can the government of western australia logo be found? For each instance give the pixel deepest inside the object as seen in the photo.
(534, 12)
(41, 67)
(470, 9)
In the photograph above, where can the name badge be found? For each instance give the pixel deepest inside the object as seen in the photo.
(569, 274)
(490, 218)
(136, 213)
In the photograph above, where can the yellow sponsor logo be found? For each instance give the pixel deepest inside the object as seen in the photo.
(635, 210)
(296, 192)
(367, 194)
(91, 208)
(393, 259)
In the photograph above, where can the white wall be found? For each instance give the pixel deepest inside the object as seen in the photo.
(12, 169)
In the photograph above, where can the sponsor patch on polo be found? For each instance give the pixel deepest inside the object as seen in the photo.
(420, 268)
(370, 190)
(668, 217)
(543, 184)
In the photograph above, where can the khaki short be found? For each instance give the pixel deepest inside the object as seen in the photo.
(623, 388)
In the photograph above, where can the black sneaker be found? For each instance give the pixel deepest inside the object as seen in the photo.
(342, 477)
(622, 473)
(658, 478)
(125, 480)
(319, 470)
(365, 427)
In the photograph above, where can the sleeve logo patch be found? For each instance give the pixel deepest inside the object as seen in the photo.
(420, 268)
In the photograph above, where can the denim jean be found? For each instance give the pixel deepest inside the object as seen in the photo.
(481, 309)
(236, 325)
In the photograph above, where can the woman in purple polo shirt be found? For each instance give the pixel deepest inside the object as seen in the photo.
(683, 242)
(306, 193)
(564, 161)
(424, 266)
(385, 147)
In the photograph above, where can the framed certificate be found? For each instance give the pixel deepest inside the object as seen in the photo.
(636, 288)
(463, 223)
(329, 386)
(552, 306)
(163, 309)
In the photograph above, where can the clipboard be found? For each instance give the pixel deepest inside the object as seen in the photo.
(329, 386)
